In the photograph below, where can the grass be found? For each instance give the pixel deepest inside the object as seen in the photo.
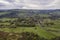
(2, 13)
(39, 31)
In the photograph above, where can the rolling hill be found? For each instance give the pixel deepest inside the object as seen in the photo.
(25, 12)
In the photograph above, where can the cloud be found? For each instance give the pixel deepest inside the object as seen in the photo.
(41, 4)
(54, 5)
(10, 4)
(29, 4)
(5, 4)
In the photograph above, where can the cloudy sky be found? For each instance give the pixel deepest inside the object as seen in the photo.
(29, 4)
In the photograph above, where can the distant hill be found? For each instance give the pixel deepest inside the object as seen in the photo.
(26, 12)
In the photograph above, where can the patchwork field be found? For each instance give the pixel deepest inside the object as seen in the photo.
(29, 25)
(47, 32)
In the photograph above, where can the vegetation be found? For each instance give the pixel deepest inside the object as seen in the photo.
(29, 25)
(19, 36)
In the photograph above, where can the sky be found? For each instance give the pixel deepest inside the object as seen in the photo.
(29, 4)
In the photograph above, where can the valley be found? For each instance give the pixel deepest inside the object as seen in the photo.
(44, 23)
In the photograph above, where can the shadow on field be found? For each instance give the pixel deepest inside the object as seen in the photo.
(19, 36)
(22, 36)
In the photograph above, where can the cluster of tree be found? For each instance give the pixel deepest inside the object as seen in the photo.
(51, 23)
(19, 36)
(24, 22)
(29, 21)
(23, 36)
(56, 38)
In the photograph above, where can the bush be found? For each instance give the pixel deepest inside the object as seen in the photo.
(56, 38)
(19, 36)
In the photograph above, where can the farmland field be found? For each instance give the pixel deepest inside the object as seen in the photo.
(46, 26)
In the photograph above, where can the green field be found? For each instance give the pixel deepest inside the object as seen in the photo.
(47, 32)
(38, 31)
